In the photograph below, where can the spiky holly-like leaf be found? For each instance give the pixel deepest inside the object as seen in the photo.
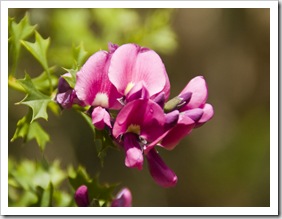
(38, 49)
(17, 32)
(36, 100)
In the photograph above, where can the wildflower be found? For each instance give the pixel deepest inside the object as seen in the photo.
(198, 87)
(93, 86)
(139, 122)
(131, 64)
(122, 199)
(193, 113)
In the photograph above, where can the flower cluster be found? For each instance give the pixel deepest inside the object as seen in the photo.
(132, 81)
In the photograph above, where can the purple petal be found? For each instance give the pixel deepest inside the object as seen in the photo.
(81, 196)
(93, 85)
(65, 99)
(194, 114)
(131, 64)
(160, 172)
(176, 134)
(198, 87)
(63, 85)
(123, 199)
(160, 99)
(112, 47)
(133, 152)
(207, 114)
(185, 97)
(143, 117)
(138, 91)
(100, 118)
(171, 119)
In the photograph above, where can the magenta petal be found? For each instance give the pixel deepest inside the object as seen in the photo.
(81, 196)
(198, 87)
(166, 89)
(123, 199)
(143, 117)
(160, 172)
(208, 113)
(171, 121)
(130, 64)
(133, 152)
(100, 118)
(93, 86)
(176, 134)
(138, 91)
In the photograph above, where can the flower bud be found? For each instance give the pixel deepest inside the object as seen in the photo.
(81, 196)
(177, 102)
(123, 199)
(100, 118)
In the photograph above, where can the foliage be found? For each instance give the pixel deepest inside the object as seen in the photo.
(37, 182)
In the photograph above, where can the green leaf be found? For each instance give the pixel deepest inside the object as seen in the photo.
(96, 190)
(79, 55)
(41, 82)
(34, 183)
(36, 100)
(54, 107)
(29, 131)
(21, 30)
(38, 49)
(70, 79)
(18, 31)
(62, 199)
(47, 194)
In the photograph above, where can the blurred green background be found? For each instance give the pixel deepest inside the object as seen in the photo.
(223, 163)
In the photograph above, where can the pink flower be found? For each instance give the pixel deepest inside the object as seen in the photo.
(93, 86)
(131, 64)
(193, 113)
(139, 126)
(197, 104)
(122, 199)
(139, 122)
(101, 118)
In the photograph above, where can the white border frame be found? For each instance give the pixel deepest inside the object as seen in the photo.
(272, 210)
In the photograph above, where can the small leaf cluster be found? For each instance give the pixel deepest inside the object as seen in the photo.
(37, 183)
